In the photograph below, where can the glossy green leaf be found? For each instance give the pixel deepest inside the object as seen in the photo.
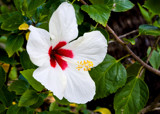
(155, 58)
(153, 6)
(6, 97)
(19, 86)
(79, 14)
(122, 5)
(14, 109)
(5, 59)
(145, 14)
(2, 108)
(12, 23)
(25, 61)
(108, 76)
(28, 98)
(34, 83)
(14, 42)
(2, 77)
(99, 13)
(131, 98)
(149, 30)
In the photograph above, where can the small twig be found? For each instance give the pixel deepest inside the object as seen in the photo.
(129, 33)
(83, 2)
(7, 75)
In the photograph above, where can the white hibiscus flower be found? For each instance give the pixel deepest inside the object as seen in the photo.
(57, 57)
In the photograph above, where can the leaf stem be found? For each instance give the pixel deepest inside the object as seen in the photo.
(73, 2)
(123, 57)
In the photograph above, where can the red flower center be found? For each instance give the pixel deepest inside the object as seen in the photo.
(57, 53)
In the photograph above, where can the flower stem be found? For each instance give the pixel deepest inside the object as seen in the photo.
(73, 2)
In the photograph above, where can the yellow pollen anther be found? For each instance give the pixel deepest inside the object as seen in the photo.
(86, 65)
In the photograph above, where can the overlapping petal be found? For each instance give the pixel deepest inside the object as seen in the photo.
(52, 78)
(38, 45)
(80, 87)
(63, 25)
(91, 46)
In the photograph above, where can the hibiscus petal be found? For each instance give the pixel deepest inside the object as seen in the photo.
(52, 78)
(38, 46)
(63, 24)
(91, 46)
(80, 87)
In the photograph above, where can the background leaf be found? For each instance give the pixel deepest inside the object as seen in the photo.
(131, 98)
(28, 98)
(13, 43)
(34, 83)
(153, 6)
(25, 61)
(122, 5)
(12, 23)
(155, 58)
(19, 86)
(149, 30)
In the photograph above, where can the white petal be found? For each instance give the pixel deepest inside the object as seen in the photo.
(91, 46)
(80, 87)
(38, 45)
(63, 24)
(52, 78)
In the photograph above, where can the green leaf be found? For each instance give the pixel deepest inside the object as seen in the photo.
(5, 59)
(34, 83)
(52, 112)
(108, 76)
(28, 7)
(38, 103)
(122, 5)
(155, 58)
(2, 108)
(52, 106)
(108, 3)
(14, 43)
(130, 40)
(12, 23)
(25, 61)
(133, 69)
(131, 98)
(6, 97)
(145, 14)
(149, 30)
(19, 86)
(99, 13)
(28, 98)
(153, 6)
(14, 109)
(2, 77)
(79, 15)
(63, 101)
